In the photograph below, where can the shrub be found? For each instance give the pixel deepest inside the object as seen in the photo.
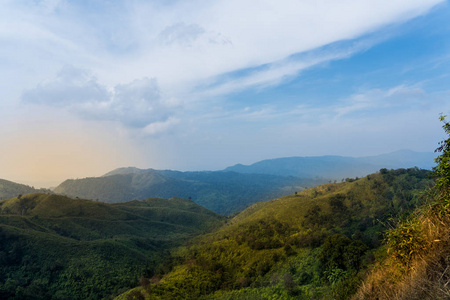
(406, 241)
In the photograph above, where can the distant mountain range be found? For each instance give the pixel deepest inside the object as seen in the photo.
(337, 167)
(233, 189)
(222, 192)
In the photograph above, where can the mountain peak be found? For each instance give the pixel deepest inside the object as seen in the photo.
(126, 170)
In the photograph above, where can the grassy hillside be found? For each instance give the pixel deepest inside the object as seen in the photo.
(314, 244)
(416, 261)
(223, 192)
(54, 247)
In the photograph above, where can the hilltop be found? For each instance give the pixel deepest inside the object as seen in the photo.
(9, 189)
(56, 247)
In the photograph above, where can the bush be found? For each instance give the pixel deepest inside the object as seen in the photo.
(406, 241)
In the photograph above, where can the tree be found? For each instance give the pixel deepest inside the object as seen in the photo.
(340, 252)
(442, 170)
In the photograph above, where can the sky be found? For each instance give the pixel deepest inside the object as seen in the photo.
(90, 86)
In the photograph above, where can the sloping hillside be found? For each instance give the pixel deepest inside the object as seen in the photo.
(314, 244)
(54, 247)
(9, 189)
(223, 192)
(416, 261)
(416, 264)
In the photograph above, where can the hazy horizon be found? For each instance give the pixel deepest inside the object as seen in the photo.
(54, 183)
(90, 87)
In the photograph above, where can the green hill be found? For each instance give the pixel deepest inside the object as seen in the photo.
(55, 247)
(9, 189)
(314, 244)
(223, 192)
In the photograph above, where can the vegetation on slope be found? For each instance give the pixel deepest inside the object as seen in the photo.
(417, 264)
(313, 244)
(54, 247)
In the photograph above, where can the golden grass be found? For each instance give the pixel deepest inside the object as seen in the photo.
(428, 274)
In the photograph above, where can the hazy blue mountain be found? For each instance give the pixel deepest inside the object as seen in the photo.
(337, 167)
(222, 192)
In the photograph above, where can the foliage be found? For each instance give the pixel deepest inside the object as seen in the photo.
(264, 234)
(341, 253)
(54, 247)
(405, 241)
(442, 170)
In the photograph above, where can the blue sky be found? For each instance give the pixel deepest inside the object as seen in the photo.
(89, 86)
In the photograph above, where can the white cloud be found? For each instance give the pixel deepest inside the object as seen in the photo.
(157, 128)
(137, 104)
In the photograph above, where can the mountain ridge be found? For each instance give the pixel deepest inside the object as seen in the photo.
(220, 191)
(337, 167)
(403, 158)
(231, 190)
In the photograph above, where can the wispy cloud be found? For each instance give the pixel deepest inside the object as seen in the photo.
(366, 104)
(389, 101)
(279, 71)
